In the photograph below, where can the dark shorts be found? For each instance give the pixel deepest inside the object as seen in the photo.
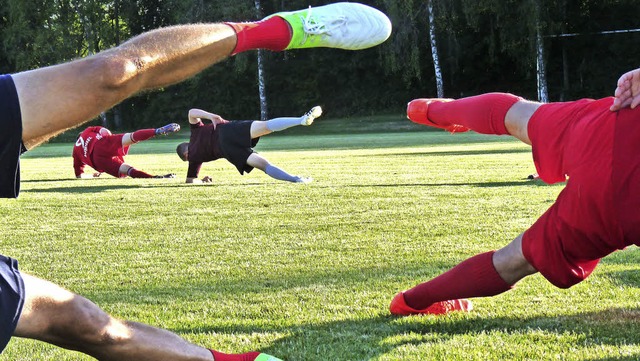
(108, 155)
(575, 139)
(11, 298)
(10, 139)
(236, 143)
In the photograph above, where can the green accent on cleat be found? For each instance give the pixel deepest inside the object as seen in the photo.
(349, 26)
(265, 357)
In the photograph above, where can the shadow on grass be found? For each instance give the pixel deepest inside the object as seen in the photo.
(373, 337)
(523, 182)
(96, 188)
(441, 153)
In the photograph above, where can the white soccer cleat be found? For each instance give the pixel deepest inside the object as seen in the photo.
(311, 115)
(349, 26)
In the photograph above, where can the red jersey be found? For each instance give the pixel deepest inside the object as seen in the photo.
(83, 149)
(104, 153)
(596, 152)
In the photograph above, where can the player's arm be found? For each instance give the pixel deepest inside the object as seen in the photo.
(192, 174)
(627, 93)
(79, 170)
(196, 116)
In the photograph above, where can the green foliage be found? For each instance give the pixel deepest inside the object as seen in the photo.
(306, 272)
(486, 45)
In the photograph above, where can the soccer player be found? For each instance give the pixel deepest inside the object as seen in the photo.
(38, 104)
(592, 145)
(234, 141)
(103, 151)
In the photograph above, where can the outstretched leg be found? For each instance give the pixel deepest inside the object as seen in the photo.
(57, 316)
(59, 97)
(145, 134)
(493, 113)
(260, 128)
(272, 171)
(486, 274)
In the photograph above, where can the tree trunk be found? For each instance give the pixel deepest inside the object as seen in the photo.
(543, 94)
(434, 50)
(262, 91)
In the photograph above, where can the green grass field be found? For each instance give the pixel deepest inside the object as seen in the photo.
(306, 272)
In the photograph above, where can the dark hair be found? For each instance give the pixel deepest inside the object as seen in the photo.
(181, 149)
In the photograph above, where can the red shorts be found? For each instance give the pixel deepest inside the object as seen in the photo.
(108, 155)
(579, 140)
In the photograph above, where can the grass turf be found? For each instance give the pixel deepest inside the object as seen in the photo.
(306, 272)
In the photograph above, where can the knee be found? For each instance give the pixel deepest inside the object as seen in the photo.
(86, 326)
(114, 73)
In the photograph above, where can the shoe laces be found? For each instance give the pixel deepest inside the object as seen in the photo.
(320, 25)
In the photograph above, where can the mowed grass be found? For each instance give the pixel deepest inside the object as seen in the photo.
(306, 272)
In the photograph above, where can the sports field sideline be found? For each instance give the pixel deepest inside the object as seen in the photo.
(306, 272)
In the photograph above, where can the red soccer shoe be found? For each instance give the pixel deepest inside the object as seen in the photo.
(399, 307)
(417, 113)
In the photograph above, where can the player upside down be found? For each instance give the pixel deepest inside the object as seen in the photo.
(592, 145)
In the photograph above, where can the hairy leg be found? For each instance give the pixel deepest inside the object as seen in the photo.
(60, 97)
(60, 317)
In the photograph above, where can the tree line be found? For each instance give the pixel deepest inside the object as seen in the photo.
(480, 45)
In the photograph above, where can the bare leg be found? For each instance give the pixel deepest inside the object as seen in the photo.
(57, 316)
(258, 129)
(59, 97)
(517, 119)
(510, 263)
(257, 161)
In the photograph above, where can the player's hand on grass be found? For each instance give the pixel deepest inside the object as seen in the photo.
(627, 93)
(205, 179)
(170, 175)
(89, 175)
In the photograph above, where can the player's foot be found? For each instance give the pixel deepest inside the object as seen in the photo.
(349, 26)
(399, 307)
(170, 175)
(249, 356)
(169, 128)
(304, 180)
(311, 115)
(417, 113)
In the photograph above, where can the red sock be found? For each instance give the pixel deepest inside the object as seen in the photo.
(475, 277)
(273, 34)
(134, 173)
(249, 356)
(482, 113)
(142, 134)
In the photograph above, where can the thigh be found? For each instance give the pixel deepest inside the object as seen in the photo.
(12, 298)
(59, 97)
(56, 315)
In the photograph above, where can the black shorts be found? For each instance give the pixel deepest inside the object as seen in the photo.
(11, 298)
(10, 139)
(236, 143)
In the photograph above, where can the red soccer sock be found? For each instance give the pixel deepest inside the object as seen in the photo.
(134, 173)
(482, 113)
(142, 134)
(273, 34)
(475, 277)
(249, 356)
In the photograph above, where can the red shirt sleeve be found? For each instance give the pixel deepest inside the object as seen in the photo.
(78, 166)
